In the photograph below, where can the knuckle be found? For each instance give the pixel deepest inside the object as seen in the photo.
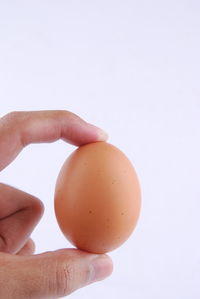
(13, 120)
(68, 114)
(37, 205)
(4, 246)
(13, 116)
(65, 275)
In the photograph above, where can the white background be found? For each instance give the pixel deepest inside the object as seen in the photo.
(133, 68)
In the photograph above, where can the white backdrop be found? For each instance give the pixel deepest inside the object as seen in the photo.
(133, 68)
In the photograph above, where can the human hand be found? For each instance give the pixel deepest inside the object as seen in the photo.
(51, 274)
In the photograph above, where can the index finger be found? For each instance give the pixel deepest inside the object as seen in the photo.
(18, 129)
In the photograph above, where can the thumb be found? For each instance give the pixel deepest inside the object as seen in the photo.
(59, 273)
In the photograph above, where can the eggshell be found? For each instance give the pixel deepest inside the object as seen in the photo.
(97, 198)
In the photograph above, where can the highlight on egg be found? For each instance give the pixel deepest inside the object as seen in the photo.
(97, 198)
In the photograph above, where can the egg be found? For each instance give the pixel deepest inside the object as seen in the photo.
(97, 198)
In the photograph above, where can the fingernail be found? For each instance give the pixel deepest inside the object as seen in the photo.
(101, 268)
(101, 134)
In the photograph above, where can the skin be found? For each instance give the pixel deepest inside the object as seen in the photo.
(52, 274)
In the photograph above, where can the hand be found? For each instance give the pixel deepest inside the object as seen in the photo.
(51, 274)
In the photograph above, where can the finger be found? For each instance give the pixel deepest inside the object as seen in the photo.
(56, 274)
(18, 129)
(19, 214)
(28, 248)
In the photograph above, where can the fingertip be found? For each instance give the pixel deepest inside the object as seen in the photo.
(28, 248)
(102, 267)
(101, 134)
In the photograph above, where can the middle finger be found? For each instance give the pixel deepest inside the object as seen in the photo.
(19, 214)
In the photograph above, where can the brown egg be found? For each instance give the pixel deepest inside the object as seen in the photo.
(97, 198)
